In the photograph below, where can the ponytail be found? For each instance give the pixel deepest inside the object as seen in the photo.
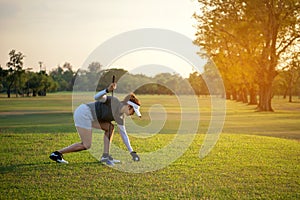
(131, 97)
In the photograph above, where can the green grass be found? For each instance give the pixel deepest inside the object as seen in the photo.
(244, 164)
(283, 123)
(239, 167)
(49, 114)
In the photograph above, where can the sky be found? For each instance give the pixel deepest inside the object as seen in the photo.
(59, 31)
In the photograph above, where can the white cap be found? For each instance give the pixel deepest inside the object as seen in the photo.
(135, 107)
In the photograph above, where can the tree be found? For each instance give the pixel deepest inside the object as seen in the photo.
(68, 76)
(291, 74)
(198, 84)
(15, 71)
(3, 76)
(223, 39)
(252, 34)
(279, 22)
(93, 75)
(64, 76)
(57, 75)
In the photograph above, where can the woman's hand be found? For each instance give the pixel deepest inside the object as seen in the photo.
(134, 155)
(112, 87)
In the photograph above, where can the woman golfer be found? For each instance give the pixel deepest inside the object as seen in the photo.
(99, 115)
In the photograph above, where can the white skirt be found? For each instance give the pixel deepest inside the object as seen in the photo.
(83, 117)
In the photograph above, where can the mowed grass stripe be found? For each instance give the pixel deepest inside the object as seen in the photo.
(55, 112)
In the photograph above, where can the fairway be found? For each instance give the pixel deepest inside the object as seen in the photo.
(256, 156)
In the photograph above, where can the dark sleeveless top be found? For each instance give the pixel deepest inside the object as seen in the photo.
(107, 111)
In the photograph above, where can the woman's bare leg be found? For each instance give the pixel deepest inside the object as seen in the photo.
(108, 135)
(86, 141)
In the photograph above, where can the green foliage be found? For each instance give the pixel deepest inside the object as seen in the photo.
(246, 40)
(94, 78)
(163, 83)
(24, 81)
(63, 78)
(287, 83)
(15, 71)
(198, 84)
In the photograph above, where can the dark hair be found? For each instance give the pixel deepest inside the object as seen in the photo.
(131, 97)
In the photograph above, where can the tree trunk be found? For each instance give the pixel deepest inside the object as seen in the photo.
(253, 99)
(265, 98)
(234, 95)
(8, 93)
(290, 95)
(245, 95)
(239, 96)
(269, 59)
(9, 89)
(285, 93)
(228, 95)
(291, 87)
(16, 90)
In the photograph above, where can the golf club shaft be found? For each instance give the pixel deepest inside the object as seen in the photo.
(112, 94)
(113, 80)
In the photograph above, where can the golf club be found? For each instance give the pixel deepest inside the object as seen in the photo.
(113, 80)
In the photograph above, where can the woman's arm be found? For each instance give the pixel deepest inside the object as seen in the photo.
(125, 138)
(101, 96)
(126, 141)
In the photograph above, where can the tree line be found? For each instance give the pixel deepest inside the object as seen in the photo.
(255, 44)
(22, 82)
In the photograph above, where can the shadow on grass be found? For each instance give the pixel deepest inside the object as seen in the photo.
(44, 166)
(10, 168)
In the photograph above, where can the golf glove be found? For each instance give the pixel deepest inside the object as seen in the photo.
(134, 155)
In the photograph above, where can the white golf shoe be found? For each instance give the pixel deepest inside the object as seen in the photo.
(58, 157)
(109, 160)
